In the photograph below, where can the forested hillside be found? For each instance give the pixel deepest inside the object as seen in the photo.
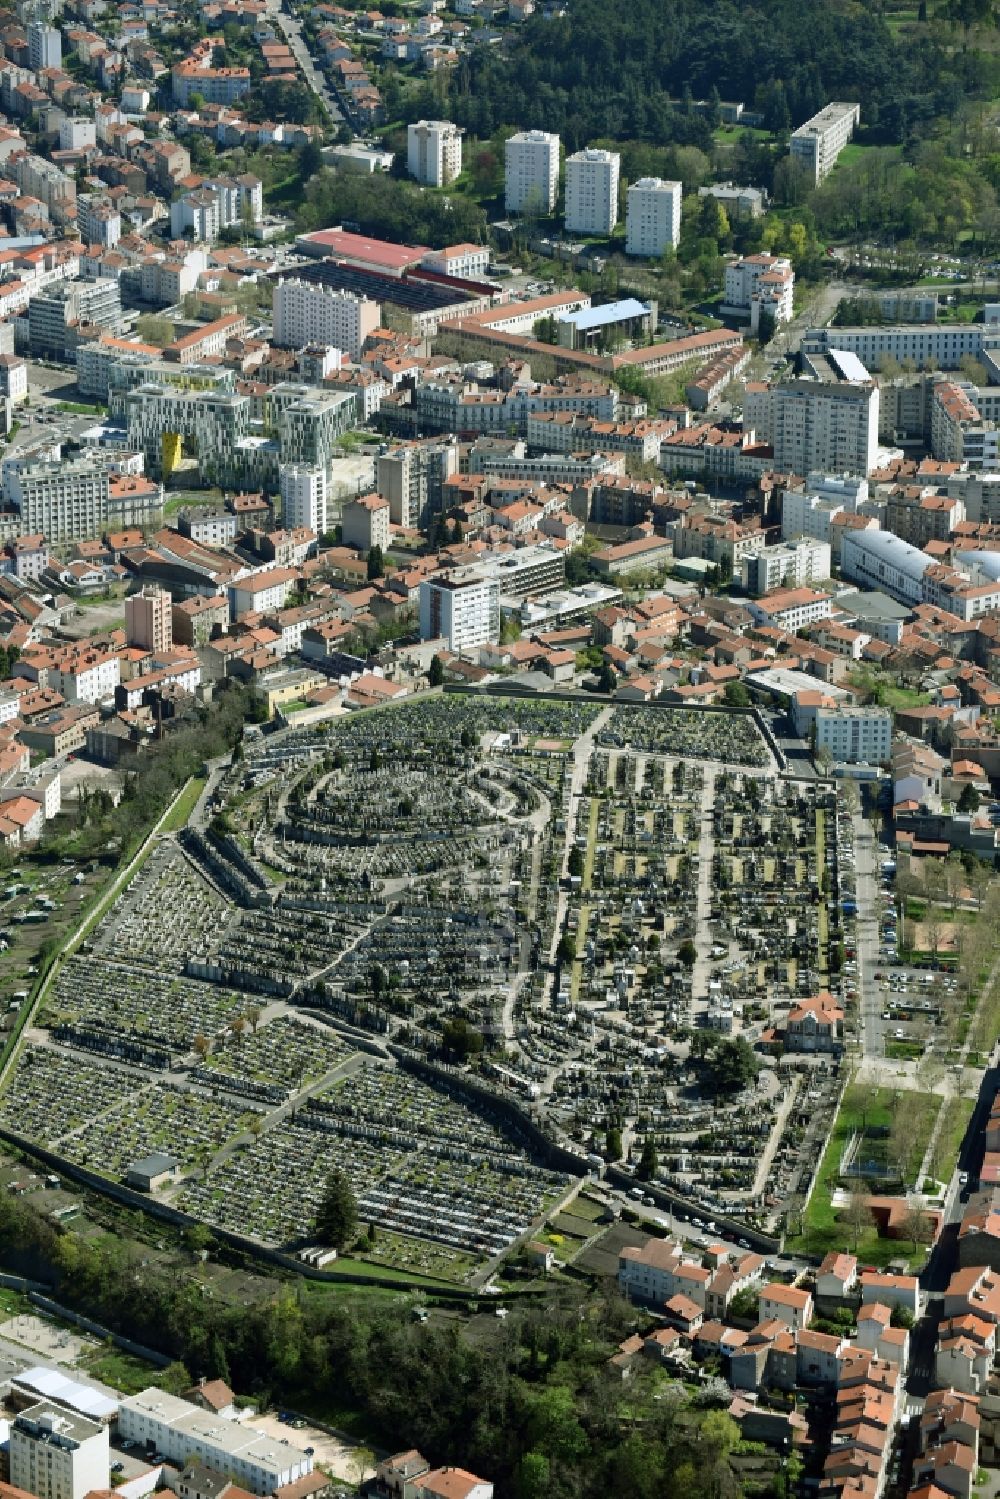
(610, 69)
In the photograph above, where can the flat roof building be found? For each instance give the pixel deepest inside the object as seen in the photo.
(164, 1423)
(58, 1455)
(819, 142)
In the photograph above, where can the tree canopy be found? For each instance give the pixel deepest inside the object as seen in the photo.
(337, 1219)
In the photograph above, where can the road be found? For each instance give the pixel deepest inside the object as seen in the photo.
(291, 28)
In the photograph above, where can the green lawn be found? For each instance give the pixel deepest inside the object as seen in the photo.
(904, 697)
(122, 1371)
(728, 135)
(957, 1113)
(821, 1230)
(184, 805)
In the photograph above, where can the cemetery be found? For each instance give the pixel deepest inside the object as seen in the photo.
(600, 912)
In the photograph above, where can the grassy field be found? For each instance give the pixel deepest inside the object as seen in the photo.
(957, 1113)
(184, 805)
(904, 697)
(861, 1107)
(728, 135)
(123, 1371)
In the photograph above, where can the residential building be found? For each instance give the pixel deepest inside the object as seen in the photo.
(450, 1483)
(412, 479)
(148, 619)
(305, 313)
(788, 565)
(57, 1454)
(739, 202)
(652, 217)
(262, 591)
(826, 425)
(920, 517)
(787, 1304)
(309, 423)
(365, 523)
(461, 609)
(434, 152)
(531, 172)
(67, 501)
(164, 1423)
(77, 132)
(303, 497)
(790, 609)
(837, 1275)
(13, 379)
(760, 287)
(56, 314)
(592, 191)
(855, 736)
(819, 142)
(44, 46)
(958, 432)
(717, 539)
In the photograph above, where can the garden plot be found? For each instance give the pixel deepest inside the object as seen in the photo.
(168, 914)
(110, 1008)
(732, 739)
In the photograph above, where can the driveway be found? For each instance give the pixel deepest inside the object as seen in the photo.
(338, 1454)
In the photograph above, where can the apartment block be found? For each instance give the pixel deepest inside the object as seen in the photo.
(824, 425)
(307, 313)
(365, 523)
(592, 191)
(303, 497)
(412, 477)
(65, 501)
(855, 735)
(789, 565)
(819, 142)
(57, 1454)
(434, 152)
(959, 433)
(56, 314)
(44, 46)
(148, 619)
(760, 286)
(463, 610)
(164, 420)
(531, 172)
(652, 217)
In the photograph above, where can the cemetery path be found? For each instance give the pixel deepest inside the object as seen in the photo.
(276, 1116)
(578, 780)
(869, 1008)
(703, 909)
(789, 1095)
